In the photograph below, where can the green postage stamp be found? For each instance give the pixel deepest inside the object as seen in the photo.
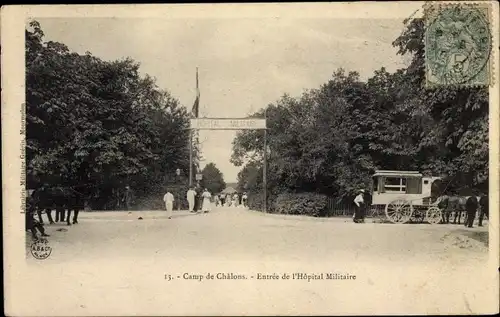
(458, 44)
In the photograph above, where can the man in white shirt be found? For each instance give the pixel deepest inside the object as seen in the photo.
(191, 194)
(359, 201)
(169, 203)
(244, 200)
(235, 200)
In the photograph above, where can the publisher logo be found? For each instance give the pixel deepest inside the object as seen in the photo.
(41, 249)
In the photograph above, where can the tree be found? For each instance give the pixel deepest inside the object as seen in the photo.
(250, 177)
(331, 139)
(456, 137)
(98, 125)
(213, 179)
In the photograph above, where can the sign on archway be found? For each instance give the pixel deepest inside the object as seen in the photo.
(232, 124)
(228, 124)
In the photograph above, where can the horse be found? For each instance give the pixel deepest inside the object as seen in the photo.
(459, 206)
(58, 198)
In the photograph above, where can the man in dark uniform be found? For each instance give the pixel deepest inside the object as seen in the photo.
(30, 221)
(222, 197)
(483, 202)
(359, 205)
(471, 205)
(197, 199)
(75, 204)
(59, 199)
(42, 200)
(128, 198)
(67, 203)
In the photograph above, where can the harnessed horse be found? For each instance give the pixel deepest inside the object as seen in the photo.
(459, 206)
(63, 199)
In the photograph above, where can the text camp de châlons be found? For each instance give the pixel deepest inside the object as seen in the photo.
(274, 276)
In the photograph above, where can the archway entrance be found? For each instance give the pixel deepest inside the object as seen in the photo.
(230, 124)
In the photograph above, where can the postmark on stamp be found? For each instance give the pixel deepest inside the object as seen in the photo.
(458, 45)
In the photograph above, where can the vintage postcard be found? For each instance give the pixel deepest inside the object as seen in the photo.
(251, 159)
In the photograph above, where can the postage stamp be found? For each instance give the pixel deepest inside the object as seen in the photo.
(458, 45)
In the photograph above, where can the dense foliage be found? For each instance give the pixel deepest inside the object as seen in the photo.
(307, 204)
(331, 139)
(98, 125)
(212, 179)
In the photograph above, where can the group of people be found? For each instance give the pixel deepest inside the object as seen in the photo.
(194, 198)
(228, 200)
(64, 200)
(201, 201)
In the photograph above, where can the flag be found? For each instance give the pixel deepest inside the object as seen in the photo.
(196, 106)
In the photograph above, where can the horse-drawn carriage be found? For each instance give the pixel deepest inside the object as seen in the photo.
(405, 196)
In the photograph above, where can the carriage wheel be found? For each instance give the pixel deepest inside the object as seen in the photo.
(398, 211)
(433, 215)
(418, 215)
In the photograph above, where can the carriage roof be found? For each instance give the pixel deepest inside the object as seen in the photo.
(397, 173)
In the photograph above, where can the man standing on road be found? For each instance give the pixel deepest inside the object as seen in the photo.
(244, 200)
(483, 203)
(169, 203)
(127, 198)
(30, 222)
(216, 200)
(43, 200)
(222, 199)
(471, 208)
(235, 200)
(197, 199)
(191, 196)
(60, 200)
(76, 203)
(359, 201)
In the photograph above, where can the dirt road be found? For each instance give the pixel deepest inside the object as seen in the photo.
(114, 261)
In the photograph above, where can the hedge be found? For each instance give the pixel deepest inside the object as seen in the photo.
(256, 201)
(309, 204)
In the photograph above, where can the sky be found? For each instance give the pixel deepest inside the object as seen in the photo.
(244, 64)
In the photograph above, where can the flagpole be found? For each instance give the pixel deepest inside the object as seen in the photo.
(197, 114)
(192, 131)
(264, 169)
(190, 158)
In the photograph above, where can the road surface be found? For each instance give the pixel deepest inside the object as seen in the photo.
(114, 261)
